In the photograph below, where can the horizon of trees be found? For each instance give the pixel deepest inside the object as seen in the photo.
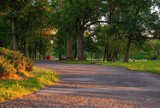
(107, 29)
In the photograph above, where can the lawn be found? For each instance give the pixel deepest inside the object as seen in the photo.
(147, 66)
(12, 89)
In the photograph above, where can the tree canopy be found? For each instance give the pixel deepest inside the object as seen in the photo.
(36, 27)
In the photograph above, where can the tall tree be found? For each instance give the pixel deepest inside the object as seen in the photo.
(13, 9)
(78, 16)
(134, 18)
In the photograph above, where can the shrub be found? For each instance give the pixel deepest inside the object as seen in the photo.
(14, 64)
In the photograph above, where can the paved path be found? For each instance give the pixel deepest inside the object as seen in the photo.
(92, 86)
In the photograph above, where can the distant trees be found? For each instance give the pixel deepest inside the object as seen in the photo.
(134, 20)
(23, 21)
(12, 11)
(117, 25)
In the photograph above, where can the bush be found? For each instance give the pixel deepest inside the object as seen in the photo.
(13, 65)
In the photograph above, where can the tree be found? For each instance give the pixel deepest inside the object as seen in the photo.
(26, 24)
(13, 10)
(78, 16)
(133, 19)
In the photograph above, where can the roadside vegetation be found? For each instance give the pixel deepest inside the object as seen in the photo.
(146, 66)
(12, 89)
(13, 65)
(18, 77)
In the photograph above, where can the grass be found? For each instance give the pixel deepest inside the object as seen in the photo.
(147, 66)
(12, 89)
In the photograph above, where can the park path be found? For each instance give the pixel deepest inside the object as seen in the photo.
(94, 86)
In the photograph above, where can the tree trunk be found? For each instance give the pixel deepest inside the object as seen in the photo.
(26, 48)
(69, 48)
(80, 48)
(30, 54)
(14, 38)
(35, 53)
(60, 56)
(75, 54)
(116, 54)
(44, 55)
(1, 43)
(126, 56)
(109, 55)
(105, 52)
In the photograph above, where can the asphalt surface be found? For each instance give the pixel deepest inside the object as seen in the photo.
(93, 86)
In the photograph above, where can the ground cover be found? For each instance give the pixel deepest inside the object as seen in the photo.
(12, 89)
(147, 66)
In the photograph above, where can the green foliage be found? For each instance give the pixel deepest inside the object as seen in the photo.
(148, 50)
(29, 25)
(12, 89)
(124, 19)
(154, 48)
(12, 63)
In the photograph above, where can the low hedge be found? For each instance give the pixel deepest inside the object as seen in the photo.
(13, 65)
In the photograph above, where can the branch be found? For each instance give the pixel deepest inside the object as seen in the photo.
(92, 18)
(95, 22)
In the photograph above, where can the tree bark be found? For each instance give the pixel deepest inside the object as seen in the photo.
(70, 55)
(75, 54)
(14, 38)
(1, 43)
(105, 53)
(44, 54)
(80, 48)
(26, 48)
(35, 53)
(109, 55)
(126, 56)
(60, 56)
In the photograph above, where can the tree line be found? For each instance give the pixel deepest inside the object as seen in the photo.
(105, 28)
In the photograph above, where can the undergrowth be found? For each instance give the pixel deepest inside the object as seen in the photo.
(12, 89)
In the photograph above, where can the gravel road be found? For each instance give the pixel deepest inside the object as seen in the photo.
(93, 86)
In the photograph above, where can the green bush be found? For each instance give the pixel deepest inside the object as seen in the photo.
(13, 64)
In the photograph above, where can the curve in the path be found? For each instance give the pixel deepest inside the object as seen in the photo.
(94, 86)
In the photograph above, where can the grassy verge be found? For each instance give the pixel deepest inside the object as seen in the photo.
(147, 66)
(12, 89)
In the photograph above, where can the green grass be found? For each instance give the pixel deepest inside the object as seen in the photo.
(147, 66)
(12, 89)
